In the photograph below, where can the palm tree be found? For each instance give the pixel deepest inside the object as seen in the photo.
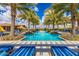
(28, 15)
(77, 20)
(31, 17)
(50, 17)
(64, 21)
(21, 7)
(47, 22)
(35, 21)
(69, 8)
(53, 16)
(13, 14)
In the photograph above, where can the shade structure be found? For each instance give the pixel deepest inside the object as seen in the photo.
(1, 29)
(21, 27)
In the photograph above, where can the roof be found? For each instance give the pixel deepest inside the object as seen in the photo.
(8, 24)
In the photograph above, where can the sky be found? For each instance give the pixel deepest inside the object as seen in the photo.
(5, 15)
(41, 8)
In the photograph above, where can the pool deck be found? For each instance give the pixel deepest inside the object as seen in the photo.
(40, 43)
(42, 47)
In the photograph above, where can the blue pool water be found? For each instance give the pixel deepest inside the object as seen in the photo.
(42, 35)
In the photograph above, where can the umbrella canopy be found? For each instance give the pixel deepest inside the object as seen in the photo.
(1, 29)
(21, 27)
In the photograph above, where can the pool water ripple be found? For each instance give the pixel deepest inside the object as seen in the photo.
(42, 36)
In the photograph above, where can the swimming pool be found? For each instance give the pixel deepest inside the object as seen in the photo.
(42, 36)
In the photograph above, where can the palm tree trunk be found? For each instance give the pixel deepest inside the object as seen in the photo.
(64, 26)
(73, 23)
(73, 18)
(78, 26)
(49, 26)
(28, 25)
(33, 26)
(46, 26)
(53, 25)
(73, 27)
(13, 14)
(57, 26)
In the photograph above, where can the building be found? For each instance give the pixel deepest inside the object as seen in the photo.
(7, 26)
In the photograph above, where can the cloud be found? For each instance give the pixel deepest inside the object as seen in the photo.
(6, 16)
(36, 9)
(43, 17)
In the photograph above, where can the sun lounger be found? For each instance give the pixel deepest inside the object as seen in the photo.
(4, 53)
(24, 51)
(5, 48)
(62, 51)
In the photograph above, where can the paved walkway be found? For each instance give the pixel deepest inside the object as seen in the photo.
(43, 51)
(41, 43)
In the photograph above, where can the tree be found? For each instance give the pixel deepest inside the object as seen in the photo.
(35, 21)
(53, 16)
(47, 21)
(22, 7)
(65, 20)
(70, 8)
(30, 16)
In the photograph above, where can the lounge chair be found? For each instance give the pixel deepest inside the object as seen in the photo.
(24, 51)
(62, 51)
(4, 50)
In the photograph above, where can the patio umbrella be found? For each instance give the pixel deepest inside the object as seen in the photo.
(21, 27)
(1, 29)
